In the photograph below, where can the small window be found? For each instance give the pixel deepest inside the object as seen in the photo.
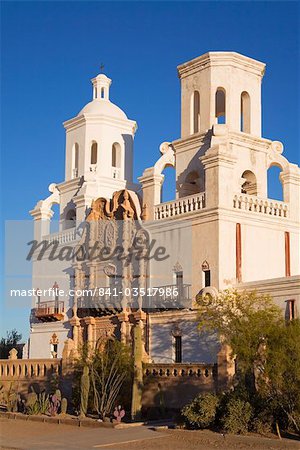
(94, 153)
(206, 274)
(220, 105)
(245, 112)
(207, 278)
(195, 112)
(178, 349)
(102, 92)
(75, 160)
(179, 283)
(53, 350)
(291, 309)
(116, 155)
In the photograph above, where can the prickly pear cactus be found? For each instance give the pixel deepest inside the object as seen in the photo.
(54, 405)
(64, 406)
(84, 390)
(119, 413)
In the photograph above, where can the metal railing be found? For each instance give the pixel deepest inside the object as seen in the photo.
(171, 296)
(49, 308)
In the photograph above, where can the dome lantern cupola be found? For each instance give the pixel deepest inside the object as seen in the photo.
(101, 84)
(99, 143)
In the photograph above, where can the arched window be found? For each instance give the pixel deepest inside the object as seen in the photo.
(221, 105)
(70, 219)
(75, 160)
(245, 112)
(195, 112)
(94, 153)
(205, 274)
(249, 185)
(191, 184)
(116, 160)
(275, 190)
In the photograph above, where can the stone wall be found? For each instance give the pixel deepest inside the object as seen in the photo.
(174, 385)
(164, 385)
(23, 375)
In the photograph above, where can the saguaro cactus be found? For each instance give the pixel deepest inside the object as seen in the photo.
(84, 390)
(137, 388)
(64, 406)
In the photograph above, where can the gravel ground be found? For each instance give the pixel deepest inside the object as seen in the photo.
(21, 435)
(207, 440)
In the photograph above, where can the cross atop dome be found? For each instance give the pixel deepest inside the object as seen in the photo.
(101, 84)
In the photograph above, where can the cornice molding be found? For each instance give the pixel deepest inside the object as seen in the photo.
(212, 59)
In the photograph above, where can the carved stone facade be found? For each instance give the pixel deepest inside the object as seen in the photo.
(220, 231)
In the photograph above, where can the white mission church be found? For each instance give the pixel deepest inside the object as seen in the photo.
(220, 231)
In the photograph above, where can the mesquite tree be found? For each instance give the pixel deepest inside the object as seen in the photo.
(265, 345)
(108, 371)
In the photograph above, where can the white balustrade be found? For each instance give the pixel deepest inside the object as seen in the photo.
(259, 205)
(62, 237)
(180, 206)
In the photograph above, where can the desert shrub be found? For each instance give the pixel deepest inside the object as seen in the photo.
(43, 402)
(261, 425)
(201, 411)
(9, 398)
(110, 371)
(237, 416)
(33, 409)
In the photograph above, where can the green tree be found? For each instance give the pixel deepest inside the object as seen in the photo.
(280, 382)
(266, 347)
(243, 320)
(8, 343)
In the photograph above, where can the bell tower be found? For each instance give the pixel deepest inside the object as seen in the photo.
(99, 142)
(220, 93)
(221, 87)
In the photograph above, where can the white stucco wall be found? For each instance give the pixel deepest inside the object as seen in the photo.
(195, 347)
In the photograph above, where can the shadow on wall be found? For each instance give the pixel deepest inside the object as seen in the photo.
(163, 395)
(185, 178)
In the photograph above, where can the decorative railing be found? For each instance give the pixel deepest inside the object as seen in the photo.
(252, 203)
(115, 172)
(62, 237)
(172, 296)
(196, 370)
(93, 168)
(49, 308)
(75, 173)
(180, 206)
(16, 369)
(110, 299)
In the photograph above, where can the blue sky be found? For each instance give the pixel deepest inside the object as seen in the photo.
(51, 50)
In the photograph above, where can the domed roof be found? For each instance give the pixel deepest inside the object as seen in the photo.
(105, 107)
